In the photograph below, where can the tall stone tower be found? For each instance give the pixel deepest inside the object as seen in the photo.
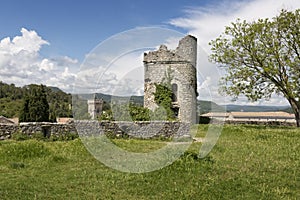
(95, 107)
(182, 63)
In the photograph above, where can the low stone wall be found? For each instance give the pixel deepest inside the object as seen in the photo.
(47, 129)
(146, 129)
(30, 129)
(6, 130)
(143, 129)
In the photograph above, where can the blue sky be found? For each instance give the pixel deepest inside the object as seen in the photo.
(73, 28)
(46, 41)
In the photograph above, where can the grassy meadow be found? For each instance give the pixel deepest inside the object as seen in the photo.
(248, 162)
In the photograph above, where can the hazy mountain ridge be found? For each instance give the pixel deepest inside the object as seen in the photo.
(204, 106)
(11, 100)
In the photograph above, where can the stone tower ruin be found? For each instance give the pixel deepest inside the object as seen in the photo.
(95, 107)
(182, 63)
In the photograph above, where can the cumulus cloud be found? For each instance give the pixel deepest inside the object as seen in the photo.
(207, 23)
(29, 42)
(22, 64)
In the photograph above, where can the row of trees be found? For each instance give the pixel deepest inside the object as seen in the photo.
(35, 105)
(34, 102)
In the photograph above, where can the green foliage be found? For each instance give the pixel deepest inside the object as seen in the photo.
(38, 136)
(62, 137)
(10, 91)
(163, 98)
(10, 108)
(139, 113)
(59, 103)
(35, 105)
(126, 112)
(25, 150)
(17, 165)
(12, 98)
(136, 112)
(19, 136)
(106, 115)
(262, 57)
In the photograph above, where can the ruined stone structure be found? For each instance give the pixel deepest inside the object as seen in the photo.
(140, 129)
(44, 129)
(95, 107)
(182, 63)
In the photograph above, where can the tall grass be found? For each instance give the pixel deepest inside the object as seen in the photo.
(248, 162)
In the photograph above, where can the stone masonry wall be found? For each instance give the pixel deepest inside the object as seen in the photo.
(6, 130)
(30, 129)
(182, 63)
(115, 129)
(145, 129)
(86, 127)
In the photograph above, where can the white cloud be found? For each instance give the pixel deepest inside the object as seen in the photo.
(29, 42)
(22, 64)
(207, 23)
(115, 66)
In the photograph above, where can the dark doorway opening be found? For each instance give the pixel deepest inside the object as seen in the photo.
(174, 92)
(176, 111)
(46, 131)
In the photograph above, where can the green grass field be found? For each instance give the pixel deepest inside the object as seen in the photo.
(248, 162)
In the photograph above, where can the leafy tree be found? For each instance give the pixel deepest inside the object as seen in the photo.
(10, 91)
(24, 112)
(262, 57)
(35, 105)
(139, 113)
(12, 98)
(59, 103)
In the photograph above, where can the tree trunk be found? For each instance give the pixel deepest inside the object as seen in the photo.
(297, 117)
(296, 108)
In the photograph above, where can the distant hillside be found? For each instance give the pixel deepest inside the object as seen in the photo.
(209, 106)
(108, 98)
(11, 100)
(202, 106)
(54, 89)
